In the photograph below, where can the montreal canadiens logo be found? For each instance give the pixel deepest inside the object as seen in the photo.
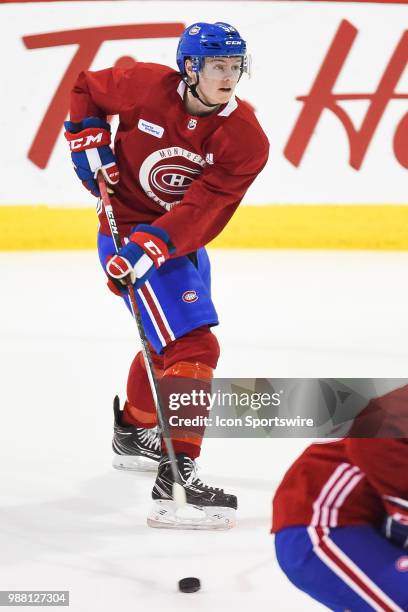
(166, 174)
(172, 179)
(402, 564)
(190, 296)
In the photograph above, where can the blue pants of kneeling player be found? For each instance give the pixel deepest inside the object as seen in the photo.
(347, 568)
(175, 300)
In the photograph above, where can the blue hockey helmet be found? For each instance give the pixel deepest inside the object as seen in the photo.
(202, 40)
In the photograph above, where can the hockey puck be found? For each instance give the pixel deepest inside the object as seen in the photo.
(189, 585)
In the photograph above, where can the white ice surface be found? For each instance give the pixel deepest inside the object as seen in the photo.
(68, 520)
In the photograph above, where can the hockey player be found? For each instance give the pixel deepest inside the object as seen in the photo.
(185, 153)
(340, 515)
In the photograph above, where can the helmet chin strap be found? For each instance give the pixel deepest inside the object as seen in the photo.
(194, 93)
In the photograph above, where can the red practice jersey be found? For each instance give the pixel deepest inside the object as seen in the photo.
(350, 481)
(186, 174)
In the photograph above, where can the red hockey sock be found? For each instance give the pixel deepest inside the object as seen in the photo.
(188, 366)
(139, 409)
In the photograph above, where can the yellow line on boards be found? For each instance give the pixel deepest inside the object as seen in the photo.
(383, 227)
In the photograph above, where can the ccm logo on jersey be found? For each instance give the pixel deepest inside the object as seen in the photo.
(189, 296)
(150, 128)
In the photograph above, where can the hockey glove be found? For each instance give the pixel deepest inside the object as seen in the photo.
(89, 142)
(148, 248)
(395, 526)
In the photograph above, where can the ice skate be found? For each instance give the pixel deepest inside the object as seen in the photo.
(134, 448)
(207, 507)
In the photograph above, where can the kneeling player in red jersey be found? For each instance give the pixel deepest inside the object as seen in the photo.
(186, 151)
(340, 515)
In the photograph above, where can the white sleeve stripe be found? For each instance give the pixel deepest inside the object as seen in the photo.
(317, 504)
(396, 500)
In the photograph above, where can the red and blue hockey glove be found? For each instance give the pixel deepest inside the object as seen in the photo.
(395, 526)
(89, 141)
(148, 248)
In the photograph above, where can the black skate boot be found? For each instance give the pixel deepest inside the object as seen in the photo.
(134, 448)
(207, 507)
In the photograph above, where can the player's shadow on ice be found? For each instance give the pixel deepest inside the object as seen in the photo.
(112, 505)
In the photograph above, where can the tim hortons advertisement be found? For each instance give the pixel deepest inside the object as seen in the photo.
(329, 86)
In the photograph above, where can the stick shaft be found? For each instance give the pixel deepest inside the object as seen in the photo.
(145, 347)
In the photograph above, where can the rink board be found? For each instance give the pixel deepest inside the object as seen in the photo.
(329, 87)
(262, 227)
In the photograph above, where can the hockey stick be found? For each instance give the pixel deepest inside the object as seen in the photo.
(179, 494)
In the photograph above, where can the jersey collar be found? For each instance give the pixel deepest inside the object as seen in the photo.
(227, 108)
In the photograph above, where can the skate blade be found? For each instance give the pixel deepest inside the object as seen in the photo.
(164, 515)
(134, 463)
